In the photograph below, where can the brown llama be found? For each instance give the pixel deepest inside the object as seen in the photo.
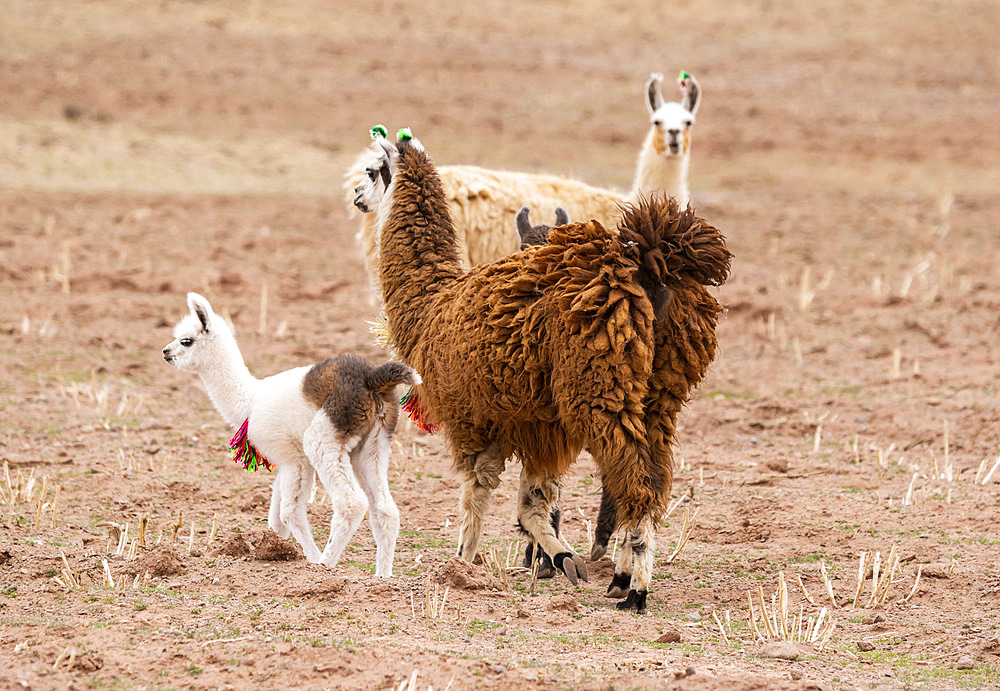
(595, 339)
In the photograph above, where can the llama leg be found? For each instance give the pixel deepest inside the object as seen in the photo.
(331, 459)
(371, 467)
(536, 499)
(482, 476)
(622, 577)
(607, 519)
(643, 551)
(533, 551)
(274, 513)
(295, 482)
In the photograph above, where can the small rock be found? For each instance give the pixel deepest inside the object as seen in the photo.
(795, 675)
(866, 646)
(965, 662)
(688, 672)
(780, 650)
(879, 617)
(522, 613)
(670, 637)
(693, 616)
(499, 669)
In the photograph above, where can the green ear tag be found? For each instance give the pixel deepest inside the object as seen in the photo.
(379, 131)
(404, 135)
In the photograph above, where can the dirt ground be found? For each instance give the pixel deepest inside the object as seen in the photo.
(849, 152)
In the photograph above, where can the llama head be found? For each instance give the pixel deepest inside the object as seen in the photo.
(380, 168)
(195, 336)
(671, 121)
(537, 235)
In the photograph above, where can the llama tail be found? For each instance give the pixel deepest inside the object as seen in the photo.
(386, 377)
(671, 244)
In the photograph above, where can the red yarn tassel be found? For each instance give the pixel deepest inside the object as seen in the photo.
(411, 406)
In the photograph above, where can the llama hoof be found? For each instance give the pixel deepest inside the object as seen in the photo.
(545, 568)
(636, 601)
(572, 565)
(598, 551)
(619, 586)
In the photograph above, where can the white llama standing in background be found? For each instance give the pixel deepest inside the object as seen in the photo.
(483, 203)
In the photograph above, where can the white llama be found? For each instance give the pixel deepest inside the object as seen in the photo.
(334, 419)
(483, 203)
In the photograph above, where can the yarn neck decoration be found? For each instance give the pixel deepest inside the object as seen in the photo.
(245, 453)
(379, 131)
(411, 406)
(404, 134)
(683, 79)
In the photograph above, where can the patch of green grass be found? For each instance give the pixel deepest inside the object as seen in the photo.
(729, 394)
(194, 670)
(9, 592)
(139, 606)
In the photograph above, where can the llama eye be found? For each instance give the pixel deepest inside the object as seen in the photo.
(371, 174)
(657, 123)
(187, 342)
(688, 123)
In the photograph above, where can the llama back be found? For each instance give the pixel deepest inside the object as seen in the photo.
(481, 200)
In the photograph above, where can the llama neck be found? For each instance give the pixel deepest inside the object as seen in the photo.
(418, 247)
(658, 173)
(228, 381)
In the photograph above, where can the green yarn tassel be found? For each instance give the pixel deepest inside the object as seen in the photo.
(404, 135)
(379, 131)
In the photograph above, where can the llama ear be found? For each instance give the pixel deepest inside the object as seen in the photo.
(200, 308)
(523, 225)
(562, 216)
(654, 97)
(390, 154)
(691, 93)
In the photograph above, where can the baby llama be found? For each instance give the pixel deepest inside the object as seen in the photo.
(483, 202)
(334, 419)
(594, 340)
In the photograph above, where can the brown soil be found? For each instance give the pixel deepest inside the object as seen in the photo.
(236, 546)
(457, 573)
(269, 547)
(160, 561)
(849, 152)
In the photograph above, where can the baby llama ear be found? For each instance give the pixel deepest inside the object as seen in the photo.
(690, 92)
(200, 308)
(654, 97)
(562, 216)
(523, 225)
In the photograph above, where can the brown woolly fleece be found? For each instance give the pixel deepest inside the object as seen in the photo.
(595, 339)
